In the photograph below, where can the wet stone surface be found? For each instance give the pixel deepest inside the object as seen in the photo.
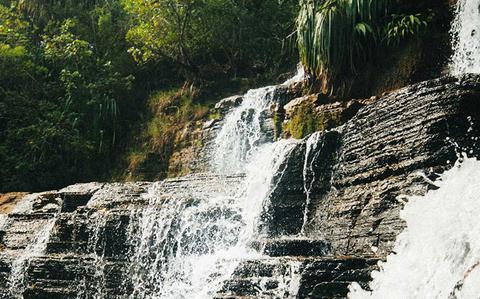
(332, 215)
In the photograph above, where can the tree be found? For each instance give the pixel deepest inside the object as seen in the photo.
(59, 103)
(195, 33)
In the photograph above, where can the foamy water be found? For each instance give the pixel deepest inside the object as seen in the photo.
(438, 254)
(466, 38)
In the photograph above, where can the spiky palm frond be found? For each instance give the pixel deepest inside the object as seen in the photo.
(335, 37)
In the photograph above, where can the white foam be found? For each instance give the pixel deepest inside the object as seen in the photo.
(438, 254)
(466, 38)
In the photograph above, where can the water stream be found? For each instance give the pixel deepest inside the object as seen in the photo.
(311, 152)
(438, 254)
(16, 282)
(187, 243)
(466, 38)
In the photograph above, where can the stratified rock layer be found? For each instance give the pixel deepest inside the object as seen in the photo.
(357, 172)
(334, 211)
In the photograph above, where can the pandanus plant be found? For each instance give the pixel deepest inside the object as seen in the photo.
(336, 38)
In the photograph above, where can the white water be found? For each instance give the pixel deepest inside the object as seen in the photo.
(16, 281)
(466, 38)
(187, 243)
(309, 173)
(438, 254)
(96, 246)
(242, 133)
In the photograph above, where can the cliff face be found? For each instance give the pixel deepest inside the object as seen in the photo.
(333, 213)
(356, 173)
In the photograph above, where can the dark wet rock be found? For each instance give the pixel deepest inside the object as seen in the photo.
(298, 277)
(223, 106)
(86, 254)
(382, 153)
(313, 245)
(284, 214)
(292, 247)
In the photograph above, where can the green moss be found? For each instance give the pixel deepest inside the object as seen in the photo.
(215, 115)
(306, 121)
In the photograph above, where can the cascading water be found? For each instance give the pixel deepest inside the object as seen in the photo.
(16, 280)
(309, 173)
(438, 254)
(242, 131)
(96, 247)
(187, 243)
(466, 38)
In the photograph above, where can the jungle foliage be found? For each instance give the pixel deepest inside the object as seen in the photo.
(76, 75)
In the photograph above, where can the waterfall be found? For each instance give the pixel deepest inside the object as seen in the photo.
(16, 281)
(438, 254)
(311, 152)
(242, 131)
(466, 38)
(177, 238)
(186, 243)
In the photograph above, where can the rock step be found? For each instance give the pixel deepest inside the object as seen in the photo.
(3, 282)
(310, 277)
(258, 268)
(39, 293)
(79, 233)
(22, 230)
(292, 247)
(250, 287)
(220, 296)
(60, 277)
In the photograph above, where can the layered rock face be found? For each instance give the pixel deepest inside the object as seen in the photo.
(332, 214)
(58, 243)
(78, 242)
(354, 175)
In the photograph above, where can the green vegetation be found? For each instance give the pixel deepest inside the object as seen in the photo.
(337, 38)
(95, 90)
(404, 26)
(78, 78)
(59, 106)
(206, 39)
(306, 121)
(171, 114)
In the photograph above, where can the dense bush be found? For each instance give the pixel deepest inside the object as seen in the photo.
(75, 76)
(212, 36)
(59, 103)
